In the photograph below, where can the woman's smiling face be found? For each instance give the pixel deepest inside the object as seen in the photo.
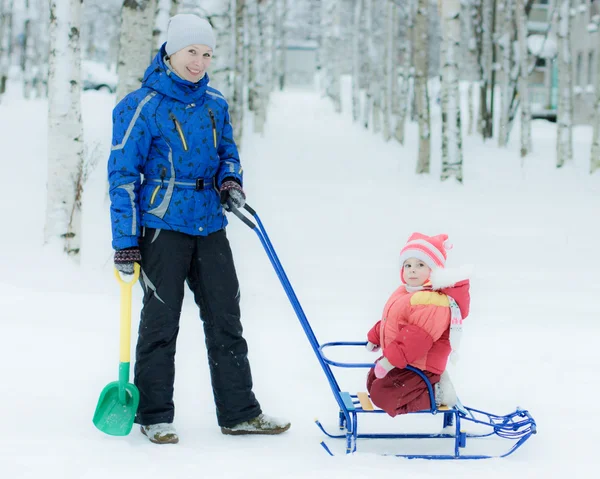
(191, 62)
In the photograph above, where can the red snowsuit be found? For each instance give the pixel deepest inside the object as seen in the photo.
(414, 330)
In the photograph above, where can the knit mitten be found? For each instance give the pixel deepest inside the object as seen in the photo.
(382, 367)
(124, 259)
(372, 347)
(232, 194)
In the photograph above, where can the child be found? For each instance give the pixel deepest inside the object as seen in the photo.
(420, 326)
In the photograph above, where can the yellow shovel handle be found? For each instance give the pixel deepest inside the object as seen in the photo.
(125, 336)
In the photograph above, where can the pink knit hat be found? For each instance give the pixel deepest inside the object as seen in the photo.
(429, 249)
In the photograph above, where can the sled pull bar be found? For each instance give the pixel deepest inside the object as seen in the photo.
(260, 231)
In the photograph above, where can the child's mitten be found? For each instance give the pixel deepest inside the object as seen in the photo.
(382, 367)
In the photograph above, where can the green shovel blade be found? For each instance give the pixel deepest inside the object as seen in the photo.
(115, 415)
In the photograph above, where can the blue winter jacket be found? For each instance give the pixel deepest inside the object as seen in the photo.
(172, 147)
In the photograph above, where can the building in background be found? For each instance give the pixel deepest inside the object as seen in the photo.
(585, 52)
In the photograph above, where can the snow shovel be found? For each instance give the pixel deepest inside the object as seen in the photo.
(119, 400)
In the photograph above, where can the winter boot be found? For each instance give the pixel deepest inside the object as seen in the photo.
(444, 391)
(262, 424)
(161, 433)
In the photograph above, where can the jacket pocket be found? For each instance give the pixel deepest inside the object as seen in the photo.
(214, 126)
(179, 130)
(163, 173)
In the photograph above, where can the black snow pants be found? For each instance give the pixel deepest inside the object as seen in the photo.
(169, 259)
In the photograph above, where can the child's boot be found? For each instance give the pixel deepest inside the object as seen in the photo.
(444, 391)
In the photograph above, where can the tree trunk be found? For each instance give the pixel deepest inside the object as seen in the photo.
(282, 43)
(262, 70)
(406, 49)
(161, 23)
(174, 10)
(524, 79)
(236, 107)
(389, 75)
(65, 129)
(222, 19)
(451, 121)
(368, 67)
(595, 153)
(421, 90)
(509, 80)
(486, 54)
(332, 70)
(5, 42)
(356, 59)
(564, 114)
(135, 44)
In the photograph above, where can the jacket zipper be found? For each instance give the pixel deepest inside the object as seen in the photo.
(163, 173)
(214, 126)
(179, 130)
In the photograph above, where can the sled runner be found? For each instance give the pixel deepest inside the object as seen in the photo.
(460, 423)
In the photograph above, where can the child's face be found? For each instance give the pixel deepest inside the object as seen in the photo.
(416, 272)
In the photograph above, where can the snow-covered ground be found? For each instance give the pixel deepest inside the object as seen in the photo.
(338, 203)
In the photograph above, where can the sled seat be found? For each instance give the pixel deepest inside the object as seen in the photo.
(364, 400)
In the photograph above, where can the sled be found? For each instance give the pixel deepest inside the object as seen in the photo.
(460, 424)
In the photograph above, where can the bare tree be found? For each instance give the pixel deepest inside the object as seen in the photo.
(452, 156)
(524, 78)
(260, 96)
(421, 90)
(564, 113)
(221, 17)
(389, 70)
(5, 41)
(135, 45)
(369, 63)
(236, 106)
(595, 153)
(487, 58)
(356, 59)
(282, 37)
(65, 129)
(510, 74)
(406, 50)
(331, 42)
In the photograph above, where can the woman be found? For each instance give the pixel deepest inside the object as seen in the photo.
(175, 131)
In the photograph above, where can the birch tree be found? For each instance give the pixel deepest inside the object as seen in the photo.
(452, 157)
(389, 76)
(356, 59)
(406, 51)
(564, 113)
(282, 37)
(135, 44)
(524, 78)
(509, 79)
(368, 66)
(236, 106)
(263, 68)
(332, 66)
(65, 130)
(221, 70)
(595, 153)
(5, 43)
(421, 90)
(487, 59)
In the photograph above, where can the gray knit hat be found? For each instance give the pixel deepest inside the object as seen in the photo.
(188, 29)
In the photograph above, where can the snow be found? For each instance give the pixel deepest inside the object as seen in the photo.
(338, 203)
(542, 46)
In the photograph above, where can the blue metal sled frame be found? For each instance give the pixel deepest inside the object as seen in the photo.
(517, 426)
